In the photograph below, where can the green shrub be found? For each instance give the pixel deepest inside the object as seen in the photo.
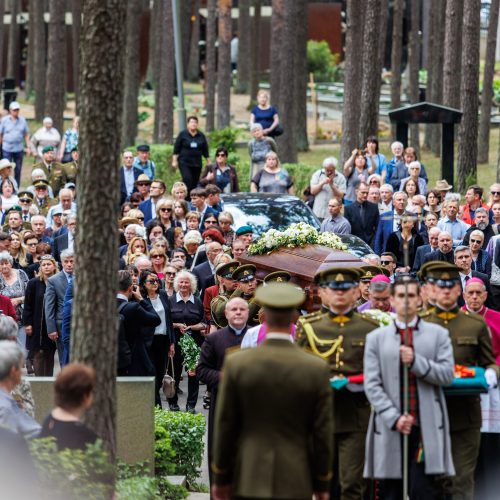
(72, 474)
(301, 175)
(321, 62)
(186, 433)
(164, 453)
(225, 137)
(145, 488)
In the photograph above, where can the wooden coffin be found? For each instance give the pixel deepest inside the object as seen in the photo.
(302, 263)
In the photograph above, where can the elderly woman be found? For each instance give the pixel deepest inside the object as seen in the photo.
(188, 319)
(272, 178)
(13, 285)
(46, 135)
(481, 259)
(8, 194)
(136, 214)
(11, 367)
(222, 174)
(37, 341)
(6, 172)
(414, 169)
(258, 148)
(137, 246)
(162, 344)
(165, 213)
(192, 241)
(73, 395)
(226, 221)
(69, 141)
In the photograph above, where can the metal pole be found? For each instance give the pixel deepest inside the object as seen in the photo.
(406, 403)
(179, 71)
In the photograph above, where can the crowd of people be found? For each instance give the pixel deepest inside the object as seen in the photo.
(434, 266)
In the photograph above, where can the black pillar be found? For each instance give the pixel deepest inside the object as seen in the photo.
(447, 152)
(402, 133)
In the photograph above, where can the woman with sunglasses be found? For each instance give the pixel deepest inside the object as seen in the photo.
(135, 213)
(170, 272)
(165, 214)
(159, 260)
(222, 174)
(163, 341)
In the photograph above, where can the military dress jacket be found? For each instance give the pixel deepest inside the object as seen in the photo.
(340, 339)
(471, 344)
(56, 176)
(253, 306)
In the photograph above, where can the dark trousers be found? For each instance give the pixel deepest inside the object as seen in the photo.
(488, 467)
(420, 485)
(495, 297)
(17, 158)
(176, 372)
(159, 354)
(190, 176)
(43, 363)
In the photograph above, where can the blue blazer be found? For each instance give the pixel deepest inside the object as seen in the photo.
(145, 208)
(420, 256)
(384, 230)
(123, 188)
(66, 322)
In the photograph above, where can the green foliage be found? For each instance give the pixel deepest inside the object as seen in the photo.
(145, 488)
(321, 62)
(224, 137)
(161, 154)
(190, 352)
(164, 453)
(143, 116)
(471, 179)
(147, 100)
(72, 474)
(186, 433)
(301, 175)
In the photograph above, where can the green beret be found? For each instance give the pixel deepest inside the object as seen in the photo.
(46, 149)
(279, 296)
(244, 230)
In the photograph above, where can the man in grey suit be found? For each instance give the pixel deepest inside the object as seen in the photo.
(54, 299)
(426, 349)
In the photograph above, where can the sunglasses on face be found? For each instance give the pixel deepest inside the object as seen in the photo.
(495, 192)
(221, 154)
(170, 274)
(210, 222)
(475, 241)
(142, 184)
(152, 281)
(140, 218)
(156, 256)
(24, 200)
(166, 209)
(386, 262)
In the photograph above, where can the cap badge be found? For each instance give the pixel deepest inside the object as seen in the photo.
(339, 277)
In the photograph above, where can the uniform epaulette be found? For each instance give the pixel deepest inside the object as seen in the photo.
(475, 316)
(426, 313)
(314, 316)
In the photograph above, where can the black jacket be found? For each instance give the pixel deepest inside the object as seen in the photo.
(149, 331)
(204, 276)
(438, 255)
(366, 227)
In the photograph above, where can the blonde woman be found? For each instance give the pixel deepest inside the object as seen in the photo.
(272, 178)
(179, 191)
(266, 115)
(165, 213)
(135, 213)
(18, 251)
(136, 247)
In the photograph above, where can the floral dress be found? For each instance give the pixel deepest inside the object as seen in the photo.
(17, 289)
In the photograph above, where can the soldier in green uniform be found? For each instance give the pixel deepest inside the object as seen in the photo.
(277, 277)
(247, 284)
(427, 289)
(227, 284)
(338, 336)
(368, 272)
(14, 220)
(42, 200)
(471, 347)
(71, 168)
(54, 170)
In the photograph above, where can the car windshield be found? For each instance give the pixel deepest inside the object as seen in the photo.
(263, 216)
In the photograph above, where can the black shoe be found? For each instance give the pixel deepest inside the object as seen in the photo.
(174, 408)
(190, 409)
(29, 367)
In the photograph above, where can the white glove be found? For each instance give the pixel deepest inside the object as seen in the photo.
(491, 378)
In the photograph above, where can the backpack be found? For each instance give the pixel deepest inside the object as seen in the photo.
(124, 352)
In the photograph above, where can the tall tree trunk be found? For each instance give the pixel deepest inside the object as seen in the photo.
(244, 45)
(301, 78)
(224, 65)
(30, 62)
(194, 48)
(277, 26)
(210, 64)
(371, 71)
(469, 89)
(2, 31)
(396, 54)
(13, 51)
(353, 77)
(132, 68)
(76, 31)
(487, 94)
(154, 44)
(94, 321)
(435, 71)
(452, 53)
(256, 44)
(56, 59)
(185, 25)
(40, 60)
(287, 142)
(414, 68)
(165, 89)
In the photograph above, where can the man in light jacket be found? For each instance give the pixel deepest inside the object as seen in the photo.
(429, 356)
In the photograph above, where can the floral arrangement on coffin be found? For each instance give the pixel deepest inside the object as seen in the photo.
(383, 318)
(295, 235)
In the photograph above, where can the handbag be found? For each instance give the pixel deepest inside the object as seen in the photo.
(168, 383)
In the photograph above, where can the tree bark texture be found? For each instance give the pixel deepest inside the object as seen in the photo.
(76, 31)
(194, 48)
(13, 50)
(94, 321)
(287, 142)
(371, 71)
(301, 78)
(469, 89)
(487, 93)
(245, 40)
(165, 88)
(154, 44)
(210, 64)
(435, 74)
(131, 80)
(353, 76)
(55, 83)
(185, 26)
(452, 53)
(30, 61)
(256, 44)
(396, 53)
(40, 60)
(2, 31)
(414, 67)
(224, 65)
(277, 26)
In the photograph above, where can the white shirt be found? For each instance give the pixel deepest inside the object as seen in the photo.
(178, 298)
(462, 278)
(128, 175)
(157, 304)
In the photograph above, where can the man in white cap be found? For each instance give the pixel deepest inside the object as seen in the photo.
(46, 135)
(13, 129)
